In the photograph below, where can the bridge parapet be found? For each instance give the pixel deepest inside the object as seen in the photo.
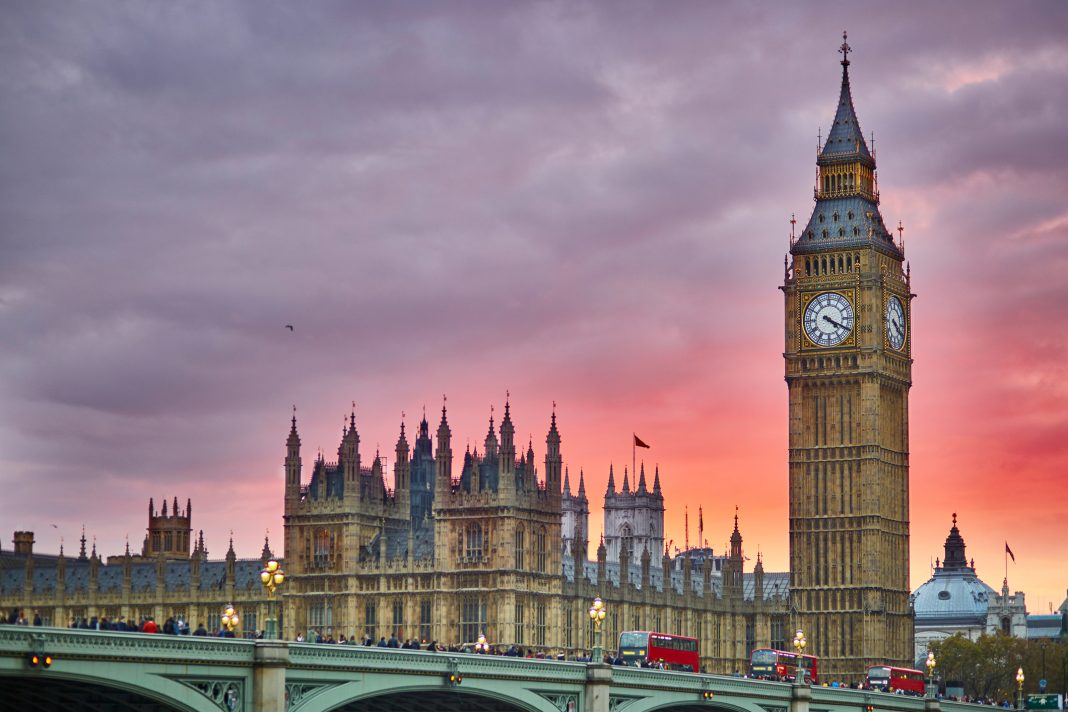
(72, 643)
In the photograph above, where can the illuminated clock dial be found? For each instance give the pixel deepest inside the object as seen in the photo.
(895, 323)
(828, 319)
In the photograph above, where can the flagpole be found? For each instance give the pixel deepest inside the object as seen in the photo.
(634, 460)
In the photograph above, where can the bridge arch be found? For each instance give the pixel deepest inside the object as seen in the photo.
(475, 695)
(60, 691)
(687, 702)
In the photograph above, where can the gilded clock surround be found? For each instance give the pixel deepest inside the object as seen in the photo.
(850, 340)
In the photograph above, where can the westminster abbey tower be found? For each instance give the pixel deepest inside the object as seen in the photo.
(849, 369)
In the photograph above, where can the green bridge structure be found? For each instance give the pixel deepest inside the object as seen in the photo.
(137, 672)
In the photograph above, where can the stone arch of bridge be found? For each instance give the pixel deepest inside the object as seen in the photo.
(60, 691)
(687, 702)
(475, 695)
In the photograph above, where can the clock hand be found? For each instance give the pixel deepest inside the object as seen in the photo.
(832, 322)
(897, 327)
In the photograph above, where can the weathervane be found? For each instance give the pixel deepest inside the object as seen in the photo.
(845, 49)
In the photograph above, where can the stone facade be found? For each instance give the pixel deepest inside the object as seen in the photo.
(494, 557)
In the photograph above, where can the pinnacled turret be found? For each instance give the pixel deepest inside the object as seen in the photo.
(734, 565)
(94, 570)
(81, 554)
(491, 444)
(656, 481)
(611, 489)
(378, 479)
(641, 481)
(758, 579)
(443, 457)
(231, 561)
(402, 468)
(507, 449)
(626, 482)
(292, 462)
(61, 570)
(349, 455)
(553, 459)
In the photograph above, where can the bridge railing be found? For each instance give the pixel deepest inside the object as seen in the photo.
(375, 659)
(143, 647)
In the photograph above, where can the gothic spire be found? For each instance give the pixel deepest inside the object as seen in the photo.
(641, 481)
(611, 481)
(846, 214)
(845, 137)
(656, 481)
(582, 486)
(567, 483)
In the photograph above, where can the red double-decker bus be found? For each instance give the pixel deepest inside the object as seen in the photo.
(892, 679)
(768, 664)
(674, 652)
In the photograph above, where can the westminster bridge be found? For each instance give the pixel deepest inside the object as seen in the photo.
(135, 672)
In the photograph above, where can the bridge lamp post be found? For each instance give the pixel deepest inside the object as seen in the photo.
(272, 577)
(1019, 688)
(799, 646)
(930, 671)
(229, 618)
(481, 646)
(597, 614)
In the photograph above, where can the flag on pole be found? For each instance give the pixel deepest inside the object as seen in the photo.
(638, 443)
(1009, 552)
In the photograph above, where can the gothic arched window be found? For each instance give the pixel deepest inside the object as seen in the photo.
(541, 552)
(520, 542)
(626, 539)
(321, 549)
(473, 548)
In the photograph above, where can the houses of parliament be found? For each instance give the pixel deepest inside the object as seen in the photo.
(495, 541)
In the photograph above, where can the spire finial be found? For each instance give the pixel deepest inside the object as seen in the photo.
(954, 519)
(845, 49)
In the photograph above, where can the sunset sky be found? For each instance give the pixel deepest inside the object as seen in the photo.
(585, 203)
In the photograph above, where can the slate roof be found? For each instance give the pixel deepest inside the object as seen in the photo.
(143, 576)
(859, 224)
(846, 140)
(776, 584)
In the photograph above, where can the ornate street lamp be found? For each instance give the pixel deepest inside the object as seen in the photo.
(597, 614)
(229, 618)
(930, 671)
(272, 577)
(799, 646)
(481, 646)
(1019, 688)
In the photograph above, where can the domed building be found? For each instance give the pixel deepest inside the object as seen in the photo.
(955, 600)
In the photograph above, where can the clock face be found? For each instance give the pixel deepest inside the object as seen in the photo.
(895, 323)
(828, 319)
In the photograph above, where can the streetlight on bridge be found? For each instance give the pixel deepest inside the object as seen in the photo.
(930, 671)
(597, 614)
(1019, 688)
(229, 620)
(799, 646)
(272, 577)
(481, 646)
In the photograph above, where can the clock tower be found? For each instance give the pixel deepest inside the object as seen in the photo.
(849, 369)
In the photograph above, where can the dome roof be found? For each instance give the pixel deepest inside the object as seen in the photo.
(957, 596)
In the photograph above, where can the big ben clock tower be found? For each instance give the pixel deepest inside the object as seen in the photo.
(849, 368)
